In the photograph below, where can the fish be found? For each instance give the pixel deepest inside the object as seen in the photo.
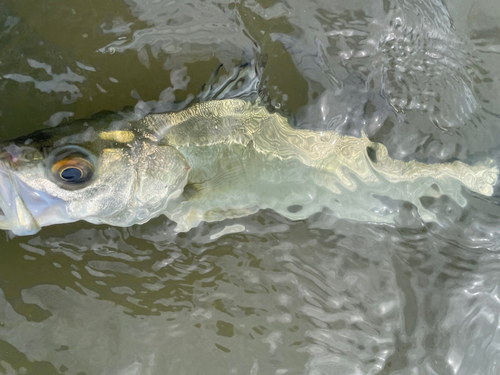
(227, 154)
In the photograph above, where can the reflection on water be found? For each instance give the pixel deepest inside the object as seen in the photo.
(261, 295)
(278, 297)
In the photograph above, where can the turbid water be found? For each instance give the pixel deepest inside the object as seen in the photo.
(262, 294)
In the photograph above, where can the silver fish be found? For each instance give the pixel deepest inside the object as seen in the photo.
(219, 158)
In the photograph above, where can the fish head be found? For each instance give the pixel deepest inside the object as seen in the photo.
(90, 173)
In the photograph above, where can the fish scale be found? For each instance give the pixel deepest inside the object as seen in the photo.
(228, 178)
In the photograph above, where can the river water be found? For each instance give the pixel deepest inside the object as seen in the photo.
(262, 294)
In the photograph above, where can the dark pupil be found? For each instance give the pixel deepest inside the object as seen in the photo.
(71, 174)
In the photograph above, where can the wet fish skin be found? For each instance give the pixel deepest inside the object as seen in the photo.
(126, 173)
(219, 159)
(325, 165)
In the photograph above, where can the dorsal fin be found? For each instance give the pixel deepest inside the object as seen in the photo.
(244, 82)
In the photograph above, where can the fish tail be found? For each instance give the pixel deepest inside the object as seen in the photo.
(481, 177)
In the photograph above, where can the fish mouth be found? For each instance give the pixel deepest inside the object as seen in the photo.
(24, 210)
(14, 215)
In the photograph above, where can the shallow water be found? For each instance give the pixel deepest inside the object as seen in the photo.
(261, 294)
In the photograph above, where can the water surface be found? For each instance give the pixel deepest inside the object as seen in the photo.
(261, 294)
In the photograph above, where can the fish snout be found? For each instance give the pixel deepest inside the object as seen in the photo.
(14, 215)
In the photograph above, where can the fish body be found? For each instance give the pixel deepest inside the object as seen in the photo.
(244, 158)
(216, 159)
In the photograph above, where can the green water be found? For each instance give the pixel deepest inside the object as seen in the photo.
(262, 294)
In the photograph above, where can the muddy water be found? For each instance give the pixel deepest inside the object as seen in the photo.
(261, 294)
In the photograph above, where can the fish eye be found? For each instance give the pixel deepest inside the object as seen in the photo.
(71, 174)
(71, 167)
